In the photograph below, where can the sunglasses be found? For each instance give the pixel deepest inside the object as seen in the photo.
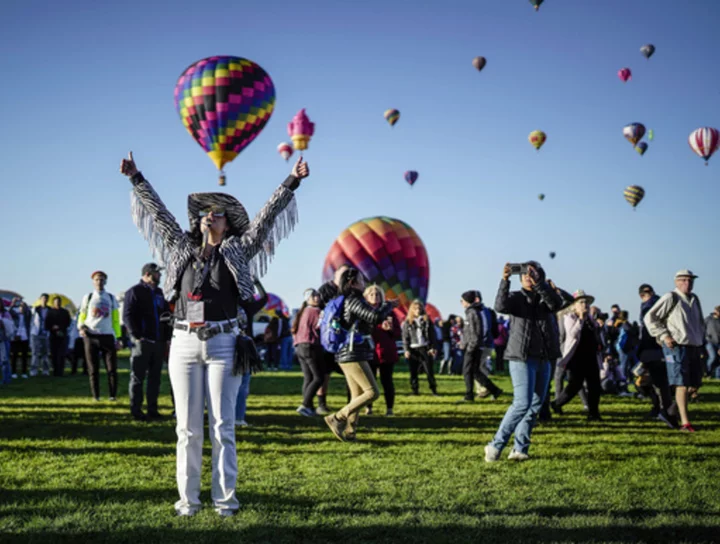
(217, 212)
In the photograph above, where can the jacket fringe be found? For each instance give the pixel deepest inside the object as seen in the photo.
(283, 225)
(146, 225)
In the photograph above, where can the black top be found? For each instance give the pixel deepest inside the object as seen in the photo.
(60, 318)
(143, 307)
(446, 330)
(586, 353)
(357, 312)
(218, 291)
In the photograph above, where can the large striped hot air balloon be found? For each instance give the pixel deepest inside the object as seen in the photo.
(634, 194)
(634, 132)
(224, 103)
(705, 141)
(389, 253)
(537, 138)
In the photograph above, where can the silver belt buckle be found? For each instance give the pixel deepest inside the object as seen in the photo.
(204, 334)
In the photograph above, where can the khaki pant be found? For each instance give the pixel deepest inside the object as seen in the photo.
(363, 390)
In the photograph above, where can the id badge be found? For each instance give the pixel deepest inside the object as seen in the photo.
(196, 311)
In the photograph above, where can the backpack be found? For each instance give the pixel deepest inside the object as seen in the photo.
(494, 332)
(494, 327)
(333, 336)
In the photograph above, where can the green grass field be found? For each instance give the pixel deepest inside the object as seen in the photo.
(72, 470)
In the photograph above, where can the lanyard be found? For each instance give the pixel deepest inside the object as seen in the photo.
(199, 279)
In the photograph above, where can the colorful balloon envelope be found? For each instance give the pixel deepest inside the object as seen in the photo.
(275, 306)
(392, 117)
(7, 297)
(536, 3)
(625, 74)
(647, 50)
(479, 63)
(634, 132)
(300, 129)
(432, 312)
(634, 194)
(641, 148)
(704, 142)
(537, 138)
(224, 103)
(411, 177)
(389, 253)
(285, 150)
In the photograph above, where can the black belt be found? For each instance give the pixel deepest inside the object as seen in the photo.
(206, 332)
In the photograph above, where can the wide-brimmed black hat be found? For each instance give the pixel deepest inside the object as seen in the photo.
(235, 213)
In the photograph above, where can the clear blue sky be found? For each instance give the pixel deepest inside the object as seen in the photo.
(87, 81)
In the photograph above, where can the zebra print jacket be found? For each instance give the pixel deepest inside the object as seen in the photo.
(246, 256)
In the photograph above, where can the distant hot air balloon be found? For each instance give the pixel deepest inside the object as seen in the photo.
(411, 177)
(392, 117)
(224, 103)
(634, 194)
(625, 74)
(285, 150)
(705, 141)
(479, 63)
(537, 138)
(541, 197)
(641, 148)
(300, 129)
(634, 132)
(536, 3)
(651, 134)
(432, 312)
(552, 254)
(647, 50)
(389, 253)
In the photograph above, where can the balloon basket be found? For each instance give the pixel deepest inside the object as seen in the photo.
(222, 179)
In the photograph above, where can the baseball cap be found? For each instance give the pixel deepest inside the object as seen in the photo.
(151, 268)
(645, 288)
(684, 273)
(98, 272)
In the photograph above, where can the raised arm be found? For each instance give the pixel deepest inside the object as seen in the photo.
(157, 225)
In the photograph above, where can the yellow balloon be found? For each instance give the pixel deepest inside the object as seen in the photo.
(65, 302)
(537, 138)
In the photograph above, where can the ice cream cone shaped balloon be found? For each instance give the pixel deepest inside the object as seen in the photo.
(300, 129)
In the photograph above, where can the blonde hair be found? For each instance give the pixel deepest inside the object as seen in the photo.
(411, 314)
(374, 288)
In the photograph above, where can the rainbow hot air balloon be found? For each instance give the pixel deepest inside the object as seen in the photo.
(537, 138)
(432, 312)
(411, 177)
(634, 132)
(285, 150)
(275, 306)
(704, 142)
(634, 194)
(536, 3)
(479, 63)
(625, 74)
(647, 50)
(392, 117)
(224, 103)
(389, 253)
(641, 148)
(300, 129)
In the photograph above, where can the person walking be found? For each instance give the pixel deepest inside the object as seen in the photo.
(533, 343)
(306, 337)
(418, 337)
(58, 322)
(476, 345)
(209, 274)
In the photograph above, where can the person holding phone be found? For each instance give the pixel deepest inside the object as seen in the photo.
(532, 344)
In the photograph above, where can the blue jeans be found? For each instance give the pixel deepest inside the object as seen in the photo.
(713, 363)
(243, 392)
(286, 353)
(446, 351)
(530, 381)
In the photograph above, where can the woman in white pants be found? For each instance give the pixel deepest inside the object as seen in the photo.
(210, 270)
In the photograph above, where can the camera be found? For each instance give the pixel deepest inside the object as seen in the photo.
(518, 269)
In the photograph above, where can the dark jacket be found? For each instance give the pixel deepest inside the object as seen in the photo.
(530, 311)
(712, 329)
(140, 315)
(357, 312)
(446, 329)
(428, 330)
(646, 340)
(327, 292)
(59, 318)
(473, 330)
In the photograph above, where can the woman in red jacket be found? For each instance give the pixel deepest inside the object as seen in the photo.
(384, 335)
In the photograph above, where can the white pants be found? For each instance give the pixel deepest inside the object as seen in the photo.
(200, 372)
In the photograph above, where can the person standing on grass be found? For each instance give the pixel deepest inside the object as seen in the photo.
(476, 344)
(418, 337)
(306, 337)
(532, 345)
(446, 336)
(40, 338)
(143, 307)
(676, 320)
(210, 271)
(20, 345)
(58, 322)
(385, 336)
(712, 337)
(358, 317)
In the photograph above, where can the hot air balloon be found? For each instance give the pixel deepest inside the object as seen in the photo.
(392, 117)
(65, 302)
(479, 63)
(647, 50)
(224, 103)
(537, 138)
(634, 132)
(6, 297)
(432, 312)
(625, 74)
(536, 3)
(552, 254)
(285, 150)
(641, 148)
(541, 197)
(274, 306)
(389, 253)
(300, 129)
(634, 194)
(705, 141)
(651, 134)
(411, 177)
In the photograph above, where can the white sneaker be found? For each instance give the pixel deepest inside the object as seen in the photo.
(307, 412)
(492, 454)
(24, 376)
(113, 399)
(242, 423)
(518, 456)
(14, 376)
(33, 373)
